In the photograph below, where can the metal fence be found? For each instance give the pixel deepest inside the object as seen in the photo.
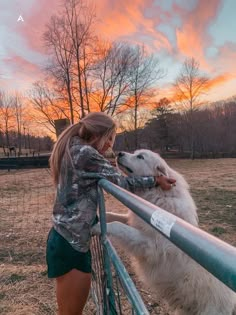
(214, 255)
(113, 289)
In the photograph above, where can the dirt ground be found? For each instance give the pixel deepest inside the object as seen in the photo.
(26, 199)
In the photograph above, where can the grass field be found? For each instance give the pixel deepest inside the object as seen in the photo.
(26, 199)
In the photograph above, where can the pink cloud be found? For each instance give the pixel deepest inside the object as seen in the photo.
(117, 19)
(126, 20)
(23, 72)
(226, 57)
(19, 64)
(34, 23)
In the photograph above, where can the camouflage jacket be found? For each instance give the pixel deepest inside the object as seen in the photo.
(75, 206)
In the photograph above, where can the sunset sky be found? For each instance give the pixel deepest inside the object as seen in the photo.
(172, 29)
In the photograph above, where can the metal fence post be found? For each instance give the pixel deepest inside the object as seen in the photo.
(109, 305)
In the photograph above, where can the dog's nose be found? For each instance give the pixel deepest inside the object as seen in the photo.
(120, 154)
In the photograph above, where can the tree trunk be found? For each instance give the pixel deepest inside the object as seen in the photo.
(135, 125)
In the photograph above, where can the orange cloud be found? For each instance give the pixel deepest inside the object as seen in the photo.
(223, 85)
(192, 38)
(117, 20)
(214, 83)
(126, 20)
(220, 80)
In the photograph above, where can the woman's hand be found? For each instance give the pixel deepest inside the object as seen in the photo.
(164, 182)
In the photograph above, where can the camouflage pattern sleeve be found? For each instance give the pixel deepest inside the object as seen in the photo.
(90, 161)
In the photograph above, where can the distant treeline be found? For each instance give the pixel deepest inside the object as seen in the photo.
(213, 130)
(214, 133)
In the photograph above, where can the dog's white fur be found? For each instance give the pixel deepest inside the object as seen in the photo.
(173, 276)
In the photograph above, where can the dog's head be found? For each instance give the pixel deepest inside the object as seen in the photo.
(142, 163)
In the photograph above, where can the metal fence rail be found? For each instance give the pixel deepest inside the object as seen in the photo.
(213, 254)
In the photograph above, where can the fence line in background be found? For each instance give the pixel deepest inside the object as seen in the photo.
(25, 162)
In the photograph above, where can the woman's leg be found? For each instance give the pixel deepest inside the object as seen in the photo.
(72, 291)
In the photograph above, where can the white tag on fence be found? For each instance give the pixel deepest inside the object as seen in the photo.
(163, 221)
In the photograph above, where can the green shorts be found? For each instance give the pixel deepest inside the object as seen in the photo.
(62, 257)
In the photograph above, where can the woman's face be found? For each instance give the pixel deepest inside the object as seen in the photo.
(109, 143)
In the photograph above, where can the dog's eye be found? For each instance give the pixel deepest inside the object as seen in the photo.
(161, 170)
(140, 157)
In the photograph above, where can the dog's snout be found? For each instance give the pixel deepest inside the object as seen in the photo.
(120, 154)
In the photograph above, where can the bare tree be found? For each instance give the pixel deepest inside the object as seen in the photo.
(48, 106)
(69, 37)
(6, 115)
(110, 76)
(96, 75)
(18, 109)
(144, 75)
(189, 86)
(61, 49)
(80, 18)
(125, 120)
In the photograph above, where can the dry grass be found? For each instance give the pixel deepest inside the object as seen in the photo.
(25, 202)
(213, 186)
(26, 199)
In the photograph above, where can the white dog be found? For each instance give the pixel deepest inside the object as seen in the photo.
(184, 285)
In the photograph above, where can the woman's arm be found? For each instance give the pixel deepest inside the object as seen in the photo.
(88, 161)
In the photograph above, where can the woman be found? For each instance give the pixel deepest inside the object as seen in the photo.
(79, 151)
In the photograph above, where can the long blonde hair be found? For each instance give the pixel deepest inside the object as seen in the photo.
(94, 129)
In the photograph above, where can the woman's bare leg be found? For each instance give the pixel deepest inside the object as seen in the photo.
(112, 216)
(72, 291)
